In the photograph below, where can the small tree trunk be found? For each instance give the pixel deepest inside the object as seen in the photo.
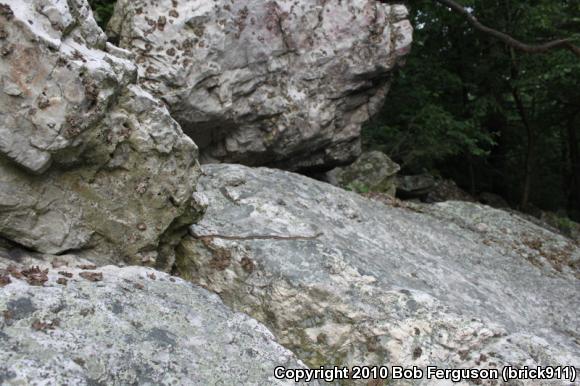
(528, 170)
(574, 190)
(472, 185)
(530, 147)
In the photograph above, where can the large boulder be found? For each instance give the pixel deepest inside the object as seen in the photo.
(447, 190)
(343, 280)
(280, 83)
(89, 161)
(373, 171)
(68, 325)
(415, 186)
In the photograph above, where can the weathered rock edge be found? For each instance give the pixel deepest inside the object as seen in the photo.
(281, 83)
(342, 280)
(89, 161)
(124, 329)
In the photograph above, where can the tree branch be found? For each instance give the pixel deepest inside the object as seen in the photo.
(507, 39)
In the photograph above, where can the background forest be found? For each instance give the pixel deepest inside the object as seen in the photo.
(468, 107)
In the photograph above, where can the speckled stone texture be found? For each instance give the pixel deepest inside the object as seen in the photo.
(135, 326)
(89, 161)
(285, 83)
(343, 280)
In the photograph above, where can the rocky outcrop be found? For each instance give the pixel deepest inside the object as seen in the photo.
(493, 200)
(341, 279)
(280, 83)
(77, 325)
(415, 186)
(373, 171)
(89, 162)
(447, 190)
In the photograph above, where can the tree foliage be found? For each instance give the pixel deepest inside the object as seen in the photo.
(103, 10)
(492, 117)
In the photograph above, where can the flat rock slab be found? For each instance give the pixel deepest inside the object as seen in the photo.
(343, 280)
(128, 326)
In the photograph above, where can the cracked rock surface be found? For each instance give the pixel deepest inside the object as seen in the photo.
(89, 161)
(124, 329)
(280, 83)
(343, 280)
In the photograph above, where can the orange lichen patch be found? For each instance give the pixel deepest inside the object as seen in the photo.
(248, 265)
(533, 243)
(4, 279)
(38, 325)
(26, 68)
(221, 260)
(35, 276)
(385, 199)
(6, 11)
(8, 315)
(388, 200)
(92, 276)
(87, 267)
(557, 257)
(560, 258)
(417, 352)
(222, 257)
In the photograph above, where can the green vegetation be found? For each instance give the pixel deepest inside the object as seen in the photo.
(495, 119)
(358, 187)
(565, 224)
(103, 10)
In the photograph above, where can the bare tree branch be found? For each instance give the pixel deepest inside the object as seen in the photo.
(510, 41)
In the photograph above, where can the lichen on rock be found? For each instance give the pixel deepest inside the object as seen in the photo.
(118, 326)
(342, 280)
(373, 171)
(89, 161)
(281, 83)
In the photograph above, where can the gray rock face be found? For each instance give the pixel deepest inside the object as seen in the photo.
(126, 330)
(373, 171)
(88, 160)
(282, 83)
(415, 186)
(340, 279)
